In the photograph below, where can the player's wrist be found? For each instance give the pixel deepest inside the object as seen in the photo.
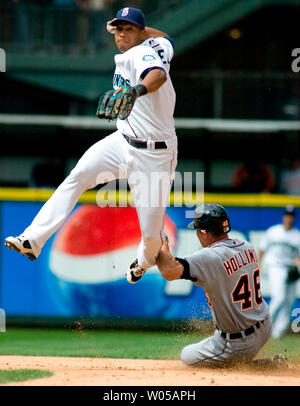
(141, 90)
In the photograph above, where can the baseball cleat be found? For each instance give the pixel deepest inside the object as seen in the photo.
(135, 272)
(20, 245)
(279, 360)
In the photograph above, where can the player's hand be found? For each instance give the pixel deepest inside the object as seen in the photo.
(296, 262)
(110, 28)
(120, 90)
(165, 246)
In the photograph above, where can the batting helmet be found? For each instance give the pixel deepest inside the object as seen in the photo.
(212, 218)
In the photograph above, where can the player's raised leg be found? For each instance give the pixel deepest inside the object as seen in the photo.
(150, 192)
(100, 163)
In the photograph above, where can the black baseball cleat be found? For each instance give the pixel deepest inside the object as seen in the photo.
(135, 272)
(279, 360)
(20, 245)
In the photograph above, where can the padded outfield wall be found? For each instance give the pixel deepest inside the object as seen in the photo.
(81, 271)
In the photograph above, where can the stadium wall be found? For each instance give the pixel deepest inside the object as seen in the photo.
(80, 273)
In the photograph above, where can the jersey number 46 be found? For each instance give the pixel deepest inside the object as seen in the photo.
(243, 292)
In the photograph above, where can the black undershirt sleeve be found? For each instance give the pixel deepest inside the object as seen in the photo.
(186, 270)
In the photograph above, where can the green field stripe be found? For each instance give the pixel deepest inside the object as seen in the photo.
(178, 199)
(80, 341)
(18, 375)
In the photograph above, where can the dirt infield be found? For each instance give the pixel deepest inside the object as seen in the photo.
(70, 371)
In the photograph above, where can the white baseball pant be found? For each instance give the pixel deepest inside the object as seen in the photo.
(150, 173)
(283, 295)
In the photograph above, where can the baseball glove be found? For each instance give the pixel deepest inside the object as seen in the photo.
(106, 105)
(118, 106)
(125, 102)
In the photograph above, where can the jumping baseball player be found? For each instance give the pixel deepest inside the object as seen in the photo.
(143, 149)
(279, 253)
(228, 271)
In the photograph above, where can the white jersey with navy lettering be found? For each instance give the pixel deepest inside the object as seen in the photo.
(152, 115)
(115, 157)
(281, 246)
(228, 271)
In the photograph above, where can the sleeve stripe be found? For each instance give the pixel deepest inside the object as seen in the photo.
(170, 40)
(146, 71)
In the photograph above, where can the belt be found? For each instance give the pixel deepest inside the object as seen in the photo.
(246, 332)
(145, 144)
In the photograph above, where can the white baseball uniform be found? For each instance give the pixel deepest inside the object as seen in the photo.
(280, 248)
(149, 171)
(228, 272)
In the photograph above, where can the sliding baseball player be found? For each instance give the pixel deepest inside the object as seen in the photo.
(227, 269)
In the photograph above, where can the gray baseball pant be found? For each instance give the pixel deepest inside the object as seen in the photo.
(216, 350)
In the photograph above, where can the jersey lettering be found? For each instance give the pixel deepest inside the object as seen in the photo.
(119, 81)
(237, 262)
(256, 284)
(159, 50)
(243, 293)
(164, 59)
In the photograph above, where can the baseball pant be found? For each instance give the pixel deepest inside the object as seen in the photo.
(217, 351)
(282, 295)
(150, 173)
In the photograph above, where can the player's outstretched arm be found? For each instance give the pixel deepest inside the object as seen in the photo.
(169, 267)
(151, 83)
(122, 100)
(154, 80)
(150, 32)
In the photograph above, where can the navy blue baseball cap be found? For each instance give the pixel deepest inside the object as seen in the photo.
(289, 209)
(130, 15)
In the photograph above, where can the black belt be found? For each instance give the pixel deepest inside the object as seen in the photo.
(144, 144)
(246, 332)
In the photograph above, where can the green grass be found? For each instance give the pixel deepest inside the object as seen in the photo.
(92, 343)
(118, 343)
(18, 375)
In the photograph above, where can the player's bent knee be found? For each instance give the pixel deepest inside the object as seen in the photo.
(187, 356)
(81, 177)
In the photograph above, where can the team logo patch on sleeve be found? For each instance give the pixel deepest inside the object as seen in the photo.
(148, 58)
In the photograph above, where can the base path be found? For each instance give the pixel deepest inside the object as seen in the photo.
(69, 371)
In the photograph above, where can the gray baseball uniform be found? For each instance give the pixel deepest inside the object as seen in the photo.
(228, 271)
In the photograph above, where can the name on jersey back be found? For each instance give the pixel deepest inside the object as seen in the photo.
(239, 260)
